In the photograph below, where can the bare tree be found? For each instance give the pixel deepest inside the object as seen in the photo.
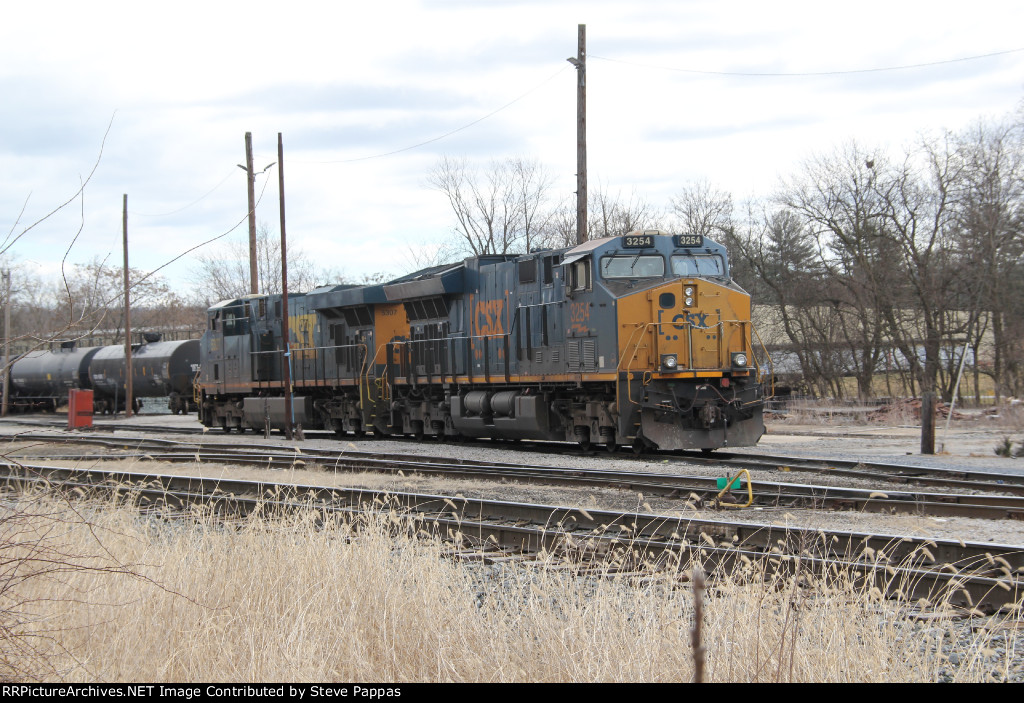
(774, 256)
(224, 273)
(97, 290)
(925, 284)
(428, 254)
(841, 200)
(700, 208)
(68, 319)
(560, 226)
(989, 210)
(497, 211)
(612, 216)
(532, 184)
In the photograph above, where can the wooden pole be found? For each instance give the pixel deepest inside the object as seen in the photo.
(127, 322)
(928, 422)
(285, 331)
(581, 135)
(254, 276)
(7, 340)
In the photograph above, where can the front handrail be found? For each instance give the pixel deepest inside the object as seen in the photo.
(634, 344)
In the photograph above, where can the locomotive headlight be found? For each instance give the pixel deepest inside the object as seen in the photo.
(688, 290)
(669, 362)
(739, 359)
(689, 302)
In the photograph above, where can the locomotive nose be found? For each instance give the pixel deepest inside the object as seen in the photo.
(676, 310)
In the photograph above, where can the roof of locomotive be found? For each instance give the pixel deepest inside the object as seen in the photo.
(345, 296)
(664, 242)
(448, 279)
(436, 280)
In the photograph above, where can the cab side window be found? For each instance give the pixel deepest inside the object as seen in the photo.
(236, 322)
(579, 275)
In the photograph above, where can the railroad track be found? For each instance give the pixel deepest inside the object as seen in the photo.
(695, 491)
(983, 576)
(896, 474)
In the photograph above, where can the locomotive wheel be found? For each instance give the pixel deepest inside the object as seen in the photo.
(611, 447)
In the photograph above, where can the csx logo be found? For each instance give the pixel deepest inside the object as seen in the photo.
(302, 328)
(488, 317)
(487, 323)
(694, 319)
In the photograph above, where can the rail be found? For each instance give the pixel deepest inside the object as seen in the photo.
(309, 366)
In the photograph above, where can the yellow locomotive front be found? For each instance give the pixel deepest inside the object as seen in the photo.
(687, 375)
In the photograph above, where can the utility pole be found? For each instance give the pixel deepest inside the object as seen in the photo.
(285, 331)
(928, 422)
(127, 323)
(580, 62)
(254, 277)
(7, 339)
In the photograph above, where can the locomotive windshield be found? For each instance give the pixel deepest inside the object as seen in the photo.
(698, 265)
(632, 266)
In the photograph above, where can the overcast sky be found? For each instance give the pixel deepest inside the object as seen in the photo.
(349, 83)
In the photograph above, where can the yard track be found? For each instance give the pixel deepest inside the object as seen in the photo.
(691, 490)
(983, 576)
(891, 473)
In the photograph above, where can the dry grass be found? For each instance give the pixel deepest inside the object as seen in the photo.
(274, 599)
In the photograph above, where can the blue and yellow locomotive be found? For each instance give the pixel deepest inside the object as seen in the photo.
(640, 340)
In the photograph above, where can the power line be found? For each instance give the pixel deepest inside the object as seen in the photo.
(186, 207)
(764, 74)
(238, 224)
(446, 134)
(375, 156)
